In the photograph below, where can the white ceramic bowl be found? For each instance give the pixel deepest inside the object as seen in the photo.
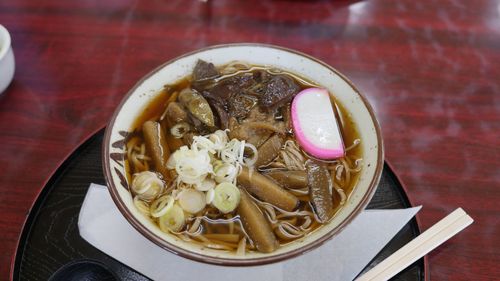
(7, 64)
(286, 59)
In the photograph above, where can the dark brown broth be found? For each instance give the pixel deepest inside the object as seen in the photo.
(155, 108)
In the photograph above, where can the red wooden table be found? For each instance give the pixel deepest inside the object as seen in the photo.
(431, 69)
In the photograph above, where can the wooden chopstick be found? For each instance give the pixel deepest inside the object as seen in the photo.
(420, 246)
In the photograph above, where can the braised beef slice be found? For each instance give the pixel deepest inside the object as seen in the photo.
(250, 130)
(241, 105)
(204, 70)
(251, 135)
(237, 96)
(261, 76)
(222, 115)
(231, 86)
(279, 90)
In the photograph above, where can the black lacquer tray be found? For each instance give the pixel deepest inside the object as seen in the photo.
(50, 237)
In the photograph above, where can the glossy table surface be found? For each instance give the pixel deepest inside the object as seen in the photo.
(431, 69)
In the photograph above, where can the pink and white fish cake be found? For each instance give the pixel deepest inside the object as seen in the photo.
(315, 125)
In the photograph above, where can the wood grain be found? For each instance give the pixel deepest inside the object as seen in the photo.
(430, 69)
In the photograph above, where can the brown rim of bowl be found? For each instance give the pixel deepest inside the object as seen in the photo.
(227, 261)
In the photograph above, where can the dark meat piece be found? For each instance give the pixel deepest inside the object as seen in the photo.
(254, 136)
(251, 135)
(261, 75)
(256, 128)
(223, 116)
(204, 70)
(218, 107)
(259, 114)
(240, 105)
(278, 91)
(231, 86)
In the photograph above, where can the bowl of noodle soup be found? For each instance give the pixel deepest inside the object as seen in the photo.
(201, 151)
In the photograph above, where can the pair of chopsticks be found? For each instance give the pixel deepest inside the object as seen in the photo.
(420, 246)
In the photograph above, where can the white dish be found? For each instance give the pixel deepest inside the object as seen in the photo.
(289, 60)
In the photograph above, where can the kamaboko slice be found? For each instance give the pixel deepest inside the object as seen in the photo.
(315, 124)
